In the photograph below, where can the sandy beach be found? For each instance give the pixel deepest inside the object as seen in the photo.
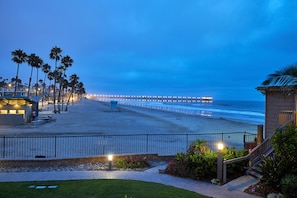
(94, 117)
(92, 128)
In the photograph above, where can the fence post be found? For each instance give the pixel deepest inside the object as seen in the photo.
(4, 147)
(104, 144)
(147, 135)
(55, 146)
(187, 144)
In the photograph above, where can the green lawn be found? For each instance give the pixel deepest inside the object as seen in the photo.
(104, 188)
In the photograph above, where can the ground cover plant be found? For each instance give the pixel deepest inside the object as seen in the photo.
(93, 188)
(200, 162)
(132, 162)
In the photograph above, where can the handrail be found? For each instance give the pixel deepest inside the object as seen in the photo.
(230, 161)
(258, 150)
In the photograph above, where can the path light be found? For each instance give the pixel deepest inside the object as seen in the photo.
(110, 157)
(220, 147)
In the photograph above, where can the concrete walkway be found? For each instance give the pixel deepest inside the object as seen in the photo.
(232, 189)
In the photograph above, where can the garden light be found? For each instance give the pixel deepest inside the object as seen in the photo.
(110, 157)
(220, 147)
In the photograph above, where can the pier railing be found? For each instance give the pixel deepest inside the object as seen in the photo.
(31, 147)
(145, 98)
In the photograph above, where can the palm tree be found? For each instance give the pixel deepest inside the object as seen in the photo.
(60, 78)
(285, 77)
(39, 63)
(66, 61)
(33, 61)
(72, 84)
(51, 77)
(55, 54)
(2, 85)
(19, 57)
(46, 68)
(80, 90)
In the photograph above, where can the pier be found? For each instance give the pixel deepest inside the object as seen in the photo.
(144, 98)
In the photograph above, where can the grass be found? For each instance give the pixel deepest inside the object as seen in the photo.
(94, 188)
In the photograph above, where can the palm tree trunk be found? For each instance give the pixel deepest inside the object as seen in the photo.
(16, 77)
(54, 95)
(59, 97)
(36, 89)
(68, 101)
(30, 79)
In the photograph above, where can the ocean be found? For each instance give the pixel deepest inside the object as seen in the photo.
(244, 111)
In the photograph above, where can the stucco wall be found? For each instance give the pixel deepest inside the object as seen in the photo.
(11, 119)
(275, 103)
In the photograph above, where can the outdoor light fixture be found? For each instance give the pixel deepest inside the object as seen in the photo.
(110, 157)
(220, 147)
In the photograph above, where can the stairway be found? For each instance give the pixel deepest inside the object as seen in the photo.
(255, 169)
(255, 157)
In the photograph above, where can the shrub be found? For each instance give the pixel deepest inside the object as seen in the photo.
(231, 153)
(200, 162)
(285, 144)
(273, 169)
(177, 167)
(202, 165)
(197, 146)
(285, 162)
(289, 186)
(132, 162)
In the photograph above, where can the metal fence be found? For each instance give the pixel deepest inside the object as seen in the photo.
(25, 147)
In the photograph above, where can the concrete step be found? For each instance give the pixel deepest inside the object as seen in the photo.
(254, 173)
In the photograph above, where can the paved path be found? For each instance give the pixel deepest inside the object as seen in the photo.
(232, 189)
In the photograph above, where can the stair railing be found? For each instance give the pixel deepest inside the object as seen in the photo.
(254, 156)
(259, 152)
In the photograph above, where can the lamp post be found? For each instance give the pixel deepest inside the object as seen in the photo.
(110, 157)
(220, 147)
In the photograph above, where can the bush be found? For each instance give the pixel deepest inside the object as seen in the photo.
(285, 144)
(285, 162)
(177, 167)
(289, 186)
(231, 153)
(132, 162)
(273, 169)
(202, 165)
(200, 162)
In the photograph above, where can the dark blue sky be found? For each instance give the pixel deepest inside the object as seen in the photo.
(219, 48)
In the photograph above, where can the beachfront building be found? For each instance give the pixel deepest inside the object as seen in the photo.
(17, 110)
(280, 105)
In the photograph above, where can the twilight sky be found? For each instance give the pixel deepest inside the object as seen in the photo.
(219, 48)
